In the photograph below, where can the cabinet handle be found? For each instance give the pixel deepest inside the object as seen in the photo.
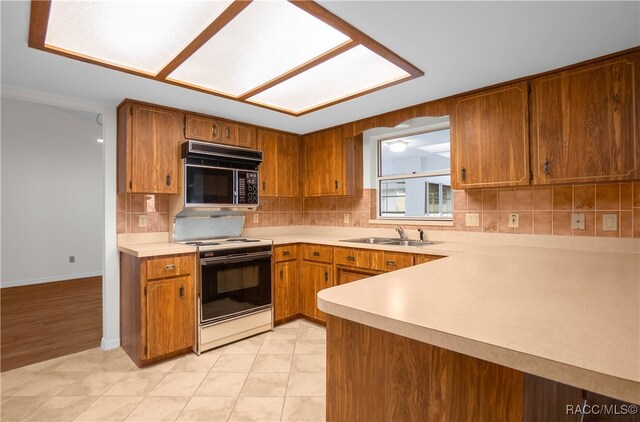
(391, 263)
(170, 267)
(286, 253)
(326, 276)
(214, 131)
(351, 258)
(181, 290)
(280, 274)
(264, 185)
(228, 132)
(547, 167)
(168, 180)
(315, 253)
(463, 174)
(336, 184)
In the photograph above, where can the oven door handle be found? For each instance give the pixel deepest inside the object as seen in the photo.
(229, 259)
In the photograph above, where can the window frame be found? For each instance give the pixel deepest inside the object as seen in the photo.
(379, 178)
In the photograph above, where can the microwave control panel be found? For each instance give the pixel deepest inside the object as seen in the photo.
(247, 187)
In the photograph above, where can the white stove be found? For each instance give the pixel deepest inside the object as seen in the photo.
(205, 245)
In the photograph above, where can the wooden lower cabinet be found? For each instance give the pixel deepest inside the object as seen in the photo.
(347, 275)
(314, 276)
(286, 290)
(157, 306)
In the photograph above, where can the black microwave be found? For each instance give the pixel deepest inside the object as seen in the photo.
(220, 176)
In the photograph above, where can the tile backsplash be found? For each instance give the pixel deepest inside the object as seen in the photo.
(542, 210)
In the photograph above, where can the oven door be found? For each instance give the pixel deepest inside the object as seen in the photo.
(206, 185)
(234, 286)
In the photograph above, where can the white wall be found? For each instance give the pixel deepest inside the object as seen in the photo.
(52, 194)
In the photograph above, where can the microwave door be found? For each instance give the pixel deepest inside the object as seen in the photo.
(206, 185)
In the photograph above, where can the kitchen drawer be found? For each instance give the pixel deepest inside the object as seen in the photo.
(285, 253)
(171, 266)
(394, 261)
(421, 259)
(359, 258)
(317, 253)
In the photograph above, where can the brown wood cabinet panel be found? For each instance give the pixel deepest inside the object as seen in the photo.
(421, 259)
(490, 138)
(209, 130)
(148, 149)
(314, 276)
(585, 123)
(394, 261)
(174, 266)
(360, 258)
(333, 164)
(289, 165)
(373, 375)
(286, 290)
(318, 253)
(170, 316)
(246, 137)
(285, 253)
(268, 144)
(347, 275)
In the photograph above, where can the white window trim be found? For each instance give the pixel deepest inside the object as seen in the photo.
(427, 221)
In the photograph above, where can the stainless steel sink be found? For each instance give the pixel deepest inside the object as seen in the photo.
(387, 241)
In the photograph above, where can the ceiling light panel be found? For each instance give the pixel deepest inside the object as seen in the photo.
(350, 73)
(266, 40)
(139, 35)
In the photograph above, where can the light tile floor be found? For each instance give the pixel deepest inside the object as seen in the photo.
(275, 376)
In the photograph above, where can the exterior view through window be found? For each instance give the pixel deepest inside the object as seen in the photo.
(414, 177)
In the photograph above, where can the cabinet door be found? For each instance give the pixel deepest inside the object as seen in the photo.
(288, 153)
(585, 123)
(395, 261)
(313, 278)
(324, 163)
(170, 316)
(347, 275)
(246, 137)
(490, 138)
(323, 280)
(155, 134)
(268, 144)
(286, 289)
(421, 259)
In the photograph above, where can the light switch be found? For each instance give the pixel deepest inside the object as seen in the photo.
(346, 218)
(610, 222)
(514, 220)
(256, 218)
(142, 220)
(472, 219)
(577, 221)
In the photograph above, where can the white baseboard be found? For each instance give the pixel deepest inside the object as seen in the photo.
(50, 279)
(113, 343)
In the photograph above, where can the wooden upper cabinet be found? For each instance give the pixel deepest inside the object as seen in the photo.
(279, 171)
(490, 138)
(208, 129)
(585, 123)
(333, 164)
(148, 149)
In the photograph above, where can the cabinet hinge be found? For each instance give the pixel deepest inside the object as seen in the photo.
(131, 111)
(530, 175)
(146, 350)
(130, 184)
(529, 88)
(145, 290)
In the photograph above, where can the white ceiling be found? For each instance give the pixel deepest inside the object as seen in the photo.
(459, 45)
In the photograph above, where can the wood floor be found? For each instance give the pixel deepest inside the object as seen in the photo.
(44, 321)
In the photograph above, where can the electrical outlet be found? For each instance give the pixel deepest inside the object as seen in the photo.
(256, 218)
(610, 222)
(72, 259)
(142, 220)
(346, 218)
(577, 221)
(472, 219)
(514, 220)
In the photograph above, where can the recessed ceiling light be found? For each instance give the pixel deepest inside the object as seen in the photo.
(294, 57)
(101, 140)
(398, 146)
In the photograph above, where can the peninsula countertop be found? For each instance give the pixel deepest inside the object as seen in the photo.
(572, 316)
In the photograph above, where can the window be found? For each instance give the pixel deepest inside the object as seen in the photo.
(414, 176)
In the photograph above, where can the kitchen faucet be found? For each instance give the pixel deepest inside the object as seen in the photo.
(400, 231)
(421, 234)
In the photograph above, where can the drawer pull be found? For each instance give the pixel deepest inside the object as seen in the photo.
(351, 258)
(281, 274)
(326, 276)
(286, 253)
(316, 253)
(391, 263)
(170, 267)
(181, 291)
